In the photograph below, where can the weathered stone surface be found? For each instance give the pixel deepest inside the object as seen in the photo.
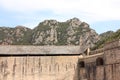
(38, 68)
(104, 65)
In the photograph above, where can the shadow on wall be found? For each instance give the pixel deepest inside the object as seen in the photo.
(83, 71)
(76, 73)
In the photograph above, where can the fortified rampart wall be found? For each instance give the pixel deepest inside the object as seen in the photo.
(105, 65)
(38, 68)
(102, 64)
(43, 67)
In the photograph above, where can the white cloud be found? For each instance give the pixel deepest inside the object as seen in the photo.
(91, 10)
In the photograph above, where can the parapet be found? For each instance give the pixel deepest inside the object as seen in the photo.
(38, 50)
(107, 46)
(111, 45)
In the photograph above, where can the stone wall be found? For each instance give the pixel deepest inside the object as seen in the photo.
(101, 66)
(38, 67)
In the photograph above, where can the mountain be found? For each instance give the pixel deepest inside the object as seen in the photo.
(106, 34)
(15, 36)
(71, 32)
(53, 32)
(106, 37)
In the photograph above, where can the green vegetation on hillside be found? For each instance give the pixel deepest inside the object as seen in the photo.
(52, 32)
(62, 33)
(107, 37)
(25, 39)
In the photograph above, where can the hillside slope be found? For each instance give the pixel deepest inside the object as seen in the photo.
(106, 37)
(71, 32)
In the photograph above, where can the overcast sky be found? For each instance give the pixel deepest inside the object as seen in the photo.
(102, 15)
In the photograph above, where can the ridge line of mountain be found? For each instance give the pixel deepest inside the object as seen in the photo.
(53, 32)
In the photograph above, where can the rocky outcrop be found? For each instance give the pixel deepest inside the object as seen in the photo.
(71, 32)
(51, 32)
(17, 35)
(45, 33)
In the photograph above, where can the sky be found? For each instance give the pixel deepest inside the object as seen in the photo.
(101, 15)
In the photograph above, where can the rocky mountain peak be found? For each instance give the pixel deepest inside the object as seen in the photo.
(73, 19)
(84, 25)
(51, 32)
(74, 22)
(50, 22)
